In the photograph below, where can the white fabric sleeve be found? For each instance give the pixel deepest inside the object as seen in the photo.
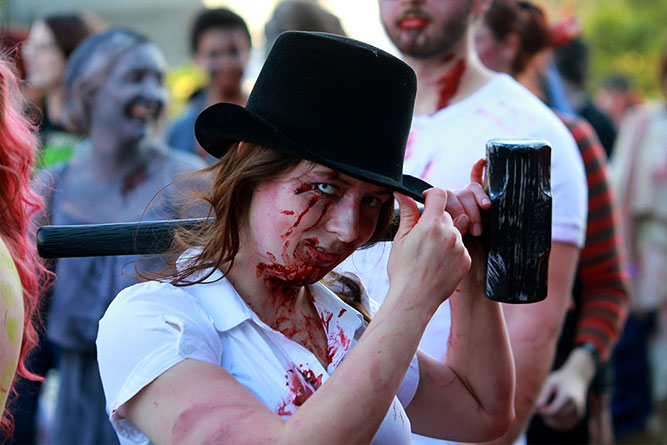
(408, 389)
(568, 185)
(147, 329)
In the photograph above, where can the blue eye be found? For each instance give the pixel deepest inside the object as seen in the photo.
(327, 189)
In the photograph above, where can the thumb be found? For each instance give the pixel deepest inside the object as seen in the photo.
(546, 393)
(409, 214)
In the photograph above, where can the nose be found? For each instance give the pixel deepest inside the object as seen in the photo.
(344, 220)
(152, 89)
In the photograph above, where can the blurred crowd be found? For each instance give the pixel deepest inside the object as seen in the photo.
(105, 151)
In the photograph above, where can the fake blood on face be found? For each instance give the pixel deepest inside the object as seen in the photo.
(306, 262)
(301, 266)
(310, 205)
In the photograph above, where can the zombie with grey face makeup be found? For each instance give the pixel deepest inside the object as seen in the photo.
(115, 99)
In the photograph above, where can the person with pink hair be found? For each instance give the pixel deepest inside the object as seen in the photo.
(21, 273)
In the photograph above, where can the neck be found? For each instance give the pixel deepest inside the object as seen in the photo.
(272, 299)
(284, 305)
(54, 105)
(113, 159)
(237, 96)
(532, 80)
(449, 78)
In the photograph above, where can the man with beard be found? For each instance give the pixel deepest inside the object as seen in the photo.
(460, 105)
(220, 43)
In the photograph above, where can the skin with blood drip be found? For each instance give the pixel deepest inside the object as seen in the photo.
(284, 282)
(449, 83)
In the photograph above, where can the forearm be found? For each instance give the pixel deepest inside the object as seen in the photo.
(534, 330)
(478, 373)
(479, 351)
(582, 364)
(603, 285)
(602, 317)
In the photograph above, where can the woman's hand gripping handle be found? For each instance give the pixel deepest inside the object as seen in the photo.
(428, 258)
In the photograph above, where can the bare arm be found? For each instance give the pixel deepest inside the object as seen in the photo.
(11, 322)
(478, 367)
(534, 330)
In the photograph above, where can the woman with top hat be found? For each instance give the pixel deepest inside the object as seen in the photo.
(251, 338)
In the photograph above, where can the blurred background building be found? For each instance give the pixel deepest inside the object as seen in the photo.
(625, 35)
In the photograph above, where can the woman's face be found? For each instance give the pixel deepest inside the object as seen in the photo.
(131, 99)
(44, 60)
(304, 223)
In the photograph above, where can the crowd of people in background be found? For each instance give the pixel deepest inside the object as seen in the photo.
(85, 138)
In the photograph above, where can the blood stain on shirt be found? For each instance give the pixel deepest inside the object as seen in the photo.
(301, 384)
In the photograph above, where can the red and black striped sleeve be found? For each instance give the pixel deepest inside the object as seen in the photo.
(601, 271)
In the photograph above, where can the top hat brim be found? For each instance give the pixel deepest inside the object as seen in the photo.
(223, 124)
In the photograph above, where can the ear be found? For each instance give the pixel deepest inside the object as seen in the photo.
(74, 117)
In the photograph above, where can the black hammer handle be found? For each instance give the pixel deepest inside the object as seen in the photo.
(131, 238)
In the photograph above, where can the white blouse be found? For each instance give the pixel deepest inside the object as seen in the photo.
(150, 327)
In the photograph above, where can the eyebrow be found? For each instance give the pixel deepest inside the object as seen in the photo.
(333, 174)
(329, 173)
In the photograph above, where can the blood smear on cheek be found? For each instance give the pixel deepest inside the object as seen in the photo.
(311, 203)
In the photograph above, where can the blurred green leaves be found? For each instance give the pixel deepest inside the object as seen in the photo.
(626, 37)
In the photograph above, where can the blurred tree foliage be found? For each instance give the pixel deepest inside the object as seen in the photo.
(626, 37)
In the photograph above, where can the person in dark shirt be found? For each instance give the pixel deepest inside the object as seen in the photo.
(572, 60)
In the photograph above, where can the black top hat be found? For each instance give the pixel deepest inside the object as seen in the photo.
(329, 99)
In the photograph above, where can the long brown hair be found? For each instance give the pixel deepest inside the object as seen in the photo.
(236, 176)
